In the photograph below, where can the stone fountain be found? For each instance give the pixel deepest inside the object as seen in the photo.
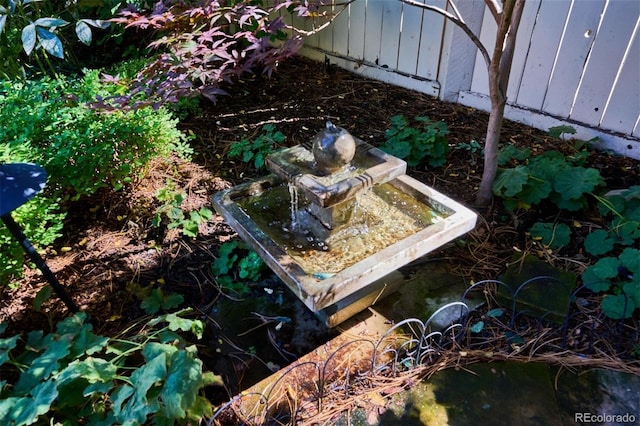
(337, 217)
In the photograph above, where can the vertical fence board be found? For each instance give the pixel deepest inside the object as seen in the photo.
(623, 112)
(409, 39)
(523, 44)
(325, 36)
(430, 41)
(357, 12)
(373, 30)
(576, 44)
(306, 24)
(480, 81)
(390, 42)
(545, 40)
(340, 27)
(609, 47)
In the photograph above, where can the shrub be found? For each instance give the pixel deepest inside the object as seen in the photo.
(204, 45)
(82, 150)
(413, 144)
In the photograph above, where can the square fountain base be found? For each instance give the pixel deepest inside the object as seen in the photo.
(337, 296)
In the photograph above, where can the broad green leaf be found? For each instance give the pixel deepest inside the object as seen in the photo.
(83, 32)
(152, 349)
(511, 152)
(27, 410)
(177, 323)
(97, 23)
(7, 406)
(571, 205)
(87, 342)
(553, 235)
(171, 301)
(154, 371)
(182, 384)
(630, 258)
(91, 369)
(201, 407)
(509, 182)
(599, 242)
(29, 38)
(42, 367)
(72, 325)
(97, 388)
(50, 22)
(535, 191)
(628, 232)
(632, 290)
(400, 149)
(205, 213)
(618, 306)
(607, 267)
(575, 182)
(558, 131)
(42, 296)
(50, 42)
(119, 397)
(6, 345)
(593, 282)
(152, 303)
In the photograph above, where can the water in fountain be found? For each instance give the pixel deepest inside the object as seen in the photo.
(383, 216)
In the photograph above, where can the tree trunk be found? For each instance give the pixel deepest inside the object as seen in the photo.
(499, 70)
(494, 127)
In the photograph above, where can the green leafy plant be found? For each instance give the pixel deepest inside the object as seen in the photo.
(552, 235)
(617, 270)
(154, 297)
(257, 150)
(171, 210)
(48, 122)
(31, 32)
(73, 376)
(549, 176)
(473, 147)
(235, 258)
(414, 144)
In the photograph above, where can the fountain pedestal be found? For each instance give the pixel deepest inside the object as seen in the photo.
(355, 229)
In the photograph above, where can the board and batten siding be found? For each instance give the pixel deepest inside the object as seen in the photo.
(577, 62)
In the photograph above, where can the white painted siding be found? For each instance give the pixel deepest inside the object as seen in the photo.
(576, 61)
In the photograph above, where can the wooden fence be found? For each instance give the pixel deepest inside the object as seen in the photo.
(577, 62)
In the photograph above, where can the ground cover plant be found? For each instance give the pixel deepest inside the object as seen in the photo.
(119, 267)
(48, 122)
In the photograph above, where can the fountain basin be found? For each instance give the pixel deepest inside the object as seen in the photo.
(338, 292)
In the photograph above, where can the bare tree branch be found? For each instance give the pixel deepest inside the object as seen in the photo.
(343, 6)
(509, 44)
(495, 7)
(459, 22)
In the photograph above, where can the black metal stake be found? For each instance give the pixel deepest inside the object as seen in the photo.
(37, 259)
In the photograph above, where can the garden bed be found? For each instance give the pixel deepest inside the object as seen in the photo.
(111, 254)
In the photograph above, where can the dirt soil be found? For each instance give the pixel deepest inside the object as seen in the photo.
(111, 254)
